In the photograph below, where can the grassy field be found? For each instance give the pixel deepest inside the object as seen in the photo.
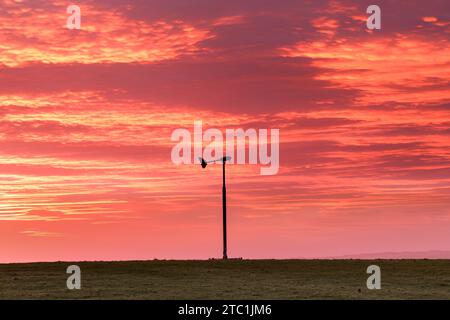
(233, 279)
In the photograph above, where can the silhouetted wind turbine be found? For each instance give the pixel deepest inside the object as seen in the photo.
(224, 199)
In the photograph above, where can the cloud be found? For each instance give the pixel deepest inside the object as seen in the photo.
(35, 233)
(106, 36)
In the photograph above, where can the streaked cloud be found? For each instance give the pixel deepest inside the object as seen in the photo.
(37, 34)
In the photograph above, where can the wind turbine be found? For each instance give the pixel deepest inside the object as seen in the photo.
(224, 198)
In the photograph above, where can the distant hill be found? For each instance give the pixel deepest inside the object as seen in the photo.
(397, 255)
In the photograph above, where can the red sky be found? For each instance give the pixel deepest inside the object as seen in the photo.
(86, 118)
